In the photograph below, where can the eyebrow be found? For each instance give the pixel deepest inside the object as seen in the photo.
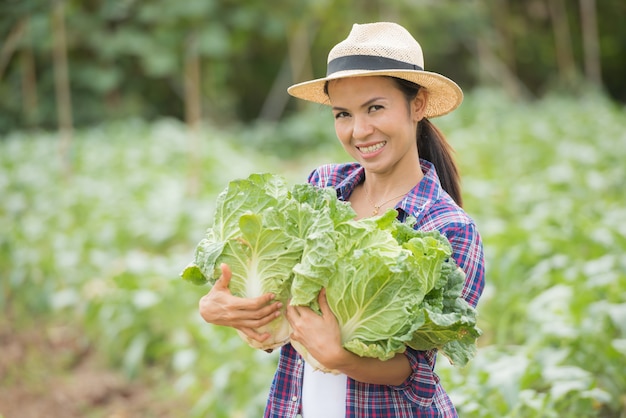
(366, 104)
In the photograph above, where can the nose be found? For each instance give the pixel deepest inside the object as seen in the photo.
(362, 127)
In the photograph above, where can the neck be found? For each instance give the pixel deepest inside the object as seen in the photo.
(380, 187)
(383, 193)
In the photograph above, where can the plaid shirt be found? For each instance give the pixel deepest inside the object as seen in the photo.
(421, 395)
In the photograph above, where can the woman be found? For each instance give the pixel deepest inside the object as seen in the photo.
(381, 98)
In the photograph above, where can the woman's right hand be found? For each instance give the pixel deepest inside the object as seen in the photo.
(220, 307)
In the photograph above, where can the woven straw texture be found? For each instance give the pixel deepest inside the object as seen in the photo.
(387, 40)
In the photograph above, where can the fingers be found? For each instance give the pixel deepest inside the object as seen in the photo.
(261, 316)
(324, 307)
(291, 309)
(235, 312)
(251, 303)
(220, 307)
(251, 333)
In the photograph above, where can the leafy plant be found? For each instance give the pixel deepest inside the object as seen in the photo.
(543, 180)
(384, 280)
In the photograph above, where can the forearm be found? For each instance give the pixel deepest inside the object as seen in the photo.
(393, 372)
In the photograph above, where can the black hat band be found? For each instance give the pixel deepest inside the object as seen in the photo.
(369, 63)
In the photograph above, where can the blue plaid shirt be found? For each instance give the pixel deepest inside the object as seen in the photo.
(421, 395)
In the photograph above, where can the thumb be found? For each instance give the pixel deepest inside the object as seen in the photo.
(224, 279)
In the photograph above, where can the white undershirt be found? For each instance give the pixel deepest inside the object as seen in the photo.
(323, 394)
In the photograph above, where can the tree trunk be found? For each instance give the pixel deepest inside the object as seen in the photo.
(295, 67)
(591, 45)
(10, 44)
(491, 66)
(62, 83)
(193, 111)
(562, 40)
(30, 101)
(193, 105)
(502, 18)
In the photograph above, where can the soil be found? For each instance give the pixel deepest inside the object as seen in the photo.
(53, 372)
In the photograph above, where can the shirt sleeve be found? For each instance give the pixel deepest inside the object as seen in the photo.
(420, 387)
(323, 176)
(314, 178)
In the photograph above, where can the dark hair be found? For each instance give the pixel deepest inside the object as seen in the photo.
(433, 146)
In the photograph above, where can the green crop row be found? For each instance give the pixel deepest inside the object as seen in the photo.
(99, 239)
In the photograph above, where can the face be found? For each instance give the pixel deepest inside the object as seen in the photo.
(375, 123)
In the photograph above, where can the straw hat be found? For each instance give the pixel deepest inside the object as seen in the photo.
(382, 49)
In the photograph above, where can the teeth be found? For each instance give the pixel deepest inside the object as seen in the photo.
(373, 148)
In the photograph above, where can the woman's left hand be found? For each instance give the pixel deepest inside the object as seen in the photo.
(319, 334)
(321, 337)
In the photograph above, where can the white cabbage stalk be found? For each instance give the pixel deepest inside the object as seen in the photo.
(312, 361)
(279, 331)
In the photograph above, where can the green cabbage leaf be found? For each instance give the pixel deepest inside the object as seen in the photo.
(389, 286)
(262, 229)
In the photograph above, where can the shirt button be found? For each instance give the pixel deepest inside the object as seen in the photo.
(299, 361)
(294, 398)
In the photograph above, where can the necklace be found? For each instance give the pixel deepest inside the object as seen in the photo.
(377, 207)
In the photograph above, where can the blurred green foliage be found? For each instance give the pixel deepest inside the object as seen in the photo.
(102, 248)
(544, 182)
(126, 58)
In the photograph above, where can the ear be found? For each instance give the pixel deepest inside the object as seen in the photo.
(418, 105)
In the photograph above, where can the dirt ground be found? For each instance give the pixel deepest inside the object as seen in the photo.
(52, 372)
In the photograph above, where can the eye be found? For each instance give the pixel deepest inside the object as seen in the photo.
(374, 108)
(340, 115)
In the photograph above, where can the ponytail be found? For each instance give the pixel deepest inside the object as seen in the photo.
(432, 146)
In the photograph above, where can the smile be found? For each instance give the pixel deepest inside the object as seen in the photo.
(372, 148)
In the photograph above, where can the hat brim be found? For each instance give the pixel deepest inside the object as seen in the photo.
(444, 95)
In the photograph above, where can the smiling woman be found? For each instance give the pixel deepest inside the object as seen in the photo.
(381, 97)
(376, 126)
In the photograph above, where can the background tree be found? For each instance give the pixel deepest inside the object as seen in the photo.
(132, 58)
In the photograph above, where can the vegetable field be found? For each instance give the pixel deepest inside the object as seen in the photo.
(91, 249)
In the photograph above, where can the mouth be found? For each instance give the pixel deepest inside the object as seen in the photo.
(372, 148)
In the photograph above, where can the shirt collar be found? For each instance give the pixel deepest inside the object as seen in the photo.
(347, 185)
(422, 196)
(425, 192)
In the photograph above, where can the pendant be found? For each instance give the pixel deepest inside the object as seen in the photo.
(375, 212)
